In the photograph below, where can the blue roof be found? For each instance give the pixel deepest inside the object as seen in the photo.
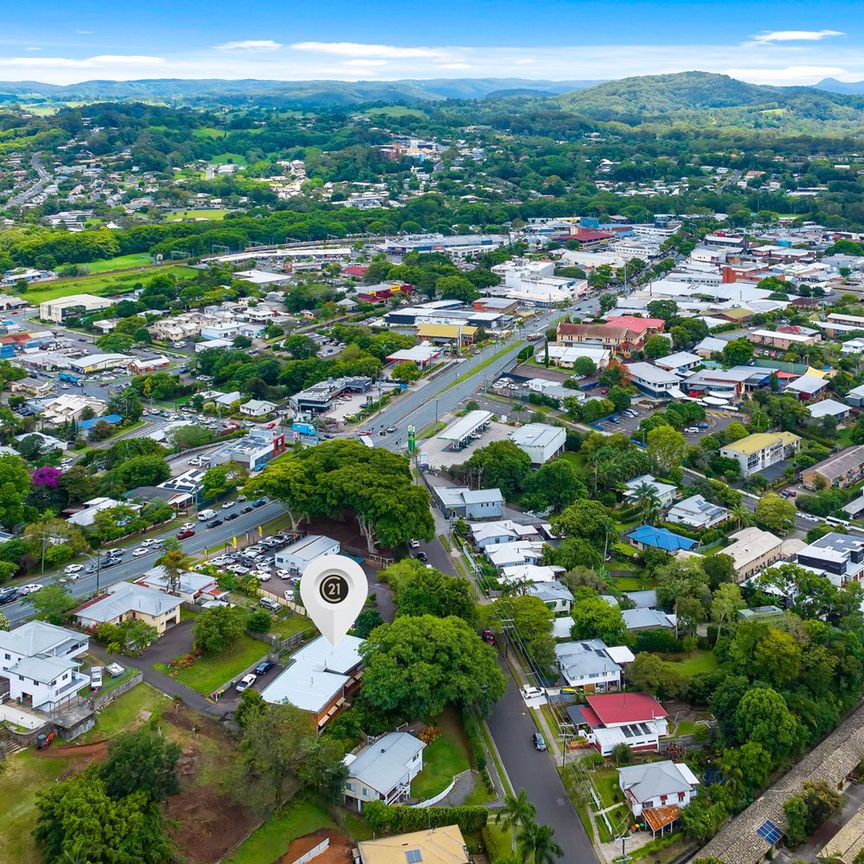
(661, 538)
(113, 419)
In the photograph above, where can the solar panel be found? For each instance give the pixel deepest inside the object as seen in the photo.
(413, 856)
(769, 832)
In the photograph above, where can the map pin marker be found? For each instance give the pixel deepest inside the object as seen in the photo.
(333, 589)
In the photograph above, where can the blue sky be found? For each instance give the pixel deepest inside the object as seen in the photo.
(771, 42)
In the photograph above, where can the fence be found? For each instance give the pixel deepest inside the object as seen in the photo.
(430, 802)
(323, 846)
(104, 699)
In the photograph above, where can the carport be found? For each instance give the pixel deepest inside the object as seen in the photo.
(459, 433)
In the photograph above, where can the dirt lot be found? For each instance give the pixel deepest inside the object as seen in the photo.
(339, 851)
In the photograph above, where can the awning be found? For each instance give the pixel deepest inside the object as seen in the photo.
(657, 818)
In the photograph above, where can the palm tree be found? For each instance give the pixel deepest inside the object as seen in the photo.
(742, 516)
(538, 843)
(645, 496)
(175, 562)
(517, 813)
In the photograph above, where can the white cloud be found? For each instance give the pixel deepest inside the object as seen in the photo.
(454, 66)
(362, 49)
(796, 74)
(97, 62)
(363, 63)
(773, 36)
(251, 45)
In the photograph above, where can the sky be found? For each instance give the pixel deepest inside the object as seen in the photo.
(780, 43)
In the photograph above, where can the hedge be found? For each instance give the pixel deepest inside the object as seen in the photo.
(385, 819)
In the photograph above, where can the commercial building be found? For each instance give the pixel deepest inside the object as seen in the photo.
(75, 304)
(41, 663)
(384, 769)
(460, 432)
(253, 451)
(296, 557)
(654, 381)
(540, 441)
(782, 340)
(140, 366)
(460, 501)
(752, 550)
(566, 355)
(837, 471)
(127, 601)
(65, 408)
(99, 362)
(420, 355)
(759, 451)
(319, 397)
(444, 845)
(320, 678)
(621, 336)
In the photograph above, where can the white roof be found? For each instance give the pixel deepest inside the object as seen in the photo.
(417, 354)
(807, 384)
(36, 637)
(651, 374)
(828, 408)
(538, 435)
(466, 425)
(621, 654)
(777, 334)
(678, 359)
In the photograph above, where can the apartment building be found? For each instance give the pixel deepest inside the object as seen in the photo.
(761, 450)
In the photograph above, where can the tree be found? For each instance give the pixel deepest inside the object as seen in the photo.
(622, 754)
(366, 622)
(719, 568)
(51, 604)
(14, 488)
(667, 448)
(405, 372)
(418, 590)
(725, 605)
(175, 563)
(141, 761)
(649, 672)
(500, 464)
(584, 366)
(289, 482)
(554, 484)
(619, 397)
(531, 621)
(587, 520)
(738, 352)
(415, 667)
(251, 704)
(274, 744)
(141, 471)
(537, 843)
(189, 437)
(656, 346)
(645, 497)
(516, 813)
(594, 618)
(300, 347)
(762, 716)
(216, 629)
(324, 771)
(777, 658)
(746, 770)
(456, 288)
(667, 310)
(701, 820)
(774, 513)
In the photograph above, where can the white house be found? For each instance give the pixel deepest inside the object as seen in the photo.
(557, 597)
(696, 512)
(257, 408)
(586, 664)
(657, 784)
(540, 441)
(635, 719)
(665, 492)
(41, 663)
(504, 531)
(383, 770)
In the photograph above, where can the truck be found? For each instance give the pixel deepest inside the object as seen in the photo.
(68, 376)
(304, 429)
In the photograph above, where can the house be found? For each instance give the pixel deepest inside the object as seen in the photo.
(384, 769)
(41, 662)
(517, 554)
(618, 339)
(557, 597)
(85, 517)
(566, 356)
(829, 408)
(523, 574)
(665, 492)
(586, 665)
(31, 386)
(647, 619)
(460, 501)
(506, 531)
(68, 408)
(679, 362)
(837, 557)
(654, 381)
(855, 397)
(759, 451)
(753, 549)
(651, 537)
(297, 557)
(782, 340)
(127, 601)
(807, 387)
(320, 678)
(257, 408)
(837, 471)
(635, 719)
(190, 587)
(695, 512)
(708, 346)
(61, 308)
(540, 441)
(655, 787)
(444, 845)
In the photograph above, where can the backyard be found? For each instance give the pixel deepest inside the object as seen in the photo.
(443, 758)
(693, 662)
(210, 672)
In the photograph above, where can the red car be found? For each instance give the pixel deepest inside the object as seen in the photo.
(182, 535)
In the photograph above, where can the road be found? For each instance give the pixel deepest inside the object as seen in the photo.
(131, 567)
(512, 727)
(37, 187)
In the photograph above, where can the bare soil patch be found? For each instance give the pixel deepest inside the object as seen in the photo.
(339, 851)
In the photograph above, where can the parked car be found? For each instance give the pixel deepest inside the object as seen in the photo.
(95, 677)
(529, 692)
(269, 603)
(247, 509)
(214, 523)
(188, 532)
(414, 544)
(246, 682)
(264, 667)
(539, 741)
(421, 556)
(7, 595)
(228, 505)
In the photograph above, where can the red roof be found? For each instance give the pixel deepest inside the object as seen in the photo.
(355, 271)
(640, 325)
(587, 235)
(615, 708)
(590, 717)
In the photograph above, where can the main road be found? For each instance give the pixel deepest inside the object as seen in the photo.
(132, 568)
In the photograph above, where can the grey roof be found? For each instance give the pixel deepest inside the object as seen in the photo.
(309, 548)
(549, 591)
(43, 669)
(648, 781)
(458, 496)
(189, 582)
(697, 505)
(838, 464)
(643, 619)
(382, 765)
(128, 597)
(646, 599)
(37, 637)
(807, 384)
(581, 659)
(651, 374)
(679, 358)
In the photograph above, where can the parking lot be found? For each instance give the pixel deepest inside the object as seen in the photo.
(438, 456)
(629, 424)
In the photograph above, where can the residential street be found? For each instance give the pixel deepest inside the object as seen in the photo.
(511, 726)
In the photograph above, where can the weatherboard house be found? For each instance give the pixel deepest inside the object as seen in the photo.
(608, 719)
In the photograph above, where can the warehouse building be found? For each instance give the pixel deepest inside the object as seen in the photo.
(61, 308)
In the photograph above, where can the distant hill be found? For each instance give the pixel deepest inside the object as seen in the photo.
(202, 92)
(701, 96)
(832, 85)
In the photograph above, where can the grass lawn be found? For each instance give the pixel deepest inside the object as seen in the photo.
(500, 840)
(693, 662)
(24, 774)
(100, 283)
(124, 711)
(214, 214)
(627, 583)
(208, 132)
(577, 460)
(606, 784)
(226, 158)
(288, 625)
(209, 673)
(445, 757)
(121, 262)
(274, 837)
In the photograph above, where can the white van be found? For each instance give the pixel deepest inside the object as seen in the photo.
(204, 515)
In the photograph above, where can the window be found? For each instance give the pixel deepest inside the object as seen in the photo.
(349, 786)
(413, 856)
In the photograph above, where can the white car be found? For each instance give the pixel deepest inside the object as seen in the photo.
(148, 542)
(188, 526)
(30, 588)
(246, 682)
(532, 692)
(261, 576)
(283, 574)
(73, 568)
(228, 505)
(414, 544)
(140, 551)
